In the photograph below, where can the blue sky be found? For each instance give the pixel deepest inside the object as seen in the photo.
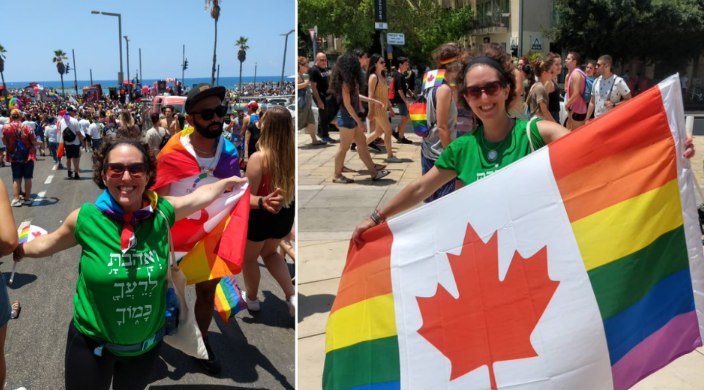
(33, 29)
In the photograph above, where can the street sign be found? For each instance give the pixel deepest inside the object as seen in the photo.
(395, 39)
(381, 26)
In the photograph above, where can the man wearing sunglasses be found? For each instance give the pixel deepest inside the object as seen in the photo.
(609, 90)
(190, 159)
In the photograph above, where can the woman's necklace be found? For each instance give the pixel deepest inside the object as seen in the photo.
(492, 152)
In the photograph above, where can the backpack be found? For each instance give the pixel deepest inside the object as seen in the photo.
(392, 89)
(68, 134)
(164, 139)
(21, 152)
(418, 112)
(587, 95)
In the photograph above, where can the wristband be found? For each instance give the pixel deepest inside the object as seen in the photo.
(377, 217)
(261, 202)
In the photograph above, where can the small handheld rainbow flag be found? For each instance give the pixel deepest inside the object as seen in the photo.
(228, 298)
(433, 78)
(29, 232)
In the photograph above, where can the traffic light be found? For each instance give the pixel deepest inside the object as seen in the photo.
(319, 41)
(185, 64)
(122, 95)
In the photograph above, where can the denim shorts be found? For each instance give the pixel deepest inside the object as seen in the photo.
(345, 120)
(402, 109)
(22, 170)
(73, 151)
(5, 308)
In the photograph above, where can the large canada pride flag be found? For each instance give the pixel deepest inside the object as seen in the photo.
(579, 266)
(210, 243)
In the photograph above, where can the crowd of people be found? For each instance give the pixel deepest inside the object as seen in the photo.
(355, 94)
(132, 165)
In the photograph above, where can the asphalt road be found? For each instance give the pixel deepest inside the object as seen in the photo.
(256, 351)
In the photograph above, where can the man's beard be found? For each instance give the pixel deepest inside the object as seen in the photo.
(206, 132)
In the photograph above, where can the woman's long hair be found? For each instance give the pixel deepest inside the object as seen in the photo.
(278, 150)
(348, 71)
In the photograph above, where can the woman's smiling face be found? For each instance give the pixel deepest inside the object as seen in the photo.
(485, 93)
(128, 187)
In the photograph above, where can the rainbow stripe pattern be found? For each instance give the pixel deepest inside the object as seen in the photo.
(360, 355)
(418, 112)
(623, 202)
(24, 235)
(623, 187)
(213, 244)
(228, 298)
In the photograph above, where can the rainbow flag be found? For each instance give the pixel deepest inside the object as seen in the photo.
(418, 113)
(210, 243)
(580, 266)
(52, 95)
(228, 298)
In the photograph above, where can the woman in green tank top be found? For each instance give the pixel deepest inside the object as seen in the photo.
(120, 300)
(487, 84)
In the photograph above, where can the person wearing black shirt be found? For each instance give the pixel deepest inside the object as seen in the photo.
(400, 100)
(319, 84)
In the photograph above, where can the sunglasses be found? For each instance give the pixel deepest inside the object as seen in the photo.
(136, 170)
(598, 65)
(208, 113)
(491, 89)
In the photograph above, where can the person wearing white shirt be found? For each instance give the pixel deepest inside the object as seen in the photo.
(52, 135)
(94, 132)
(72, 147)
(83, 124)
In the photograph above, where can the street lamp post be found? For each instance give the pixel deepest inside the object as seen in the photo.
(127, 42)
(283, 66)
(120, 76)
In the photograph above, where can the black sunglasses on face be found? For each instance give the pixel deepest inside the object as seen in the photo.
(208, 113)
(491, 89)
(136, 170)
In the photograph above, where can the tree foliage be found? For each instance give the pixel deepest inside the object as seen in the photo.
(664, 32)
(425, 24)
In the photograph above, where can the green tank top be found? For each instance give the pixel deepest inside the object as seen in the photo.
(121, 298)
(472, 157)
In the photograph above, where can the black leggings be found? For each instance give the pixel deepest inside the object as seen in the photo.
(85, 370)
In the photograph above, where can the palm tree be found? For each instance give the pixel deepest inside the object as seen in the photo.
(2, 66)
(59, 58)
(215, 14)
(241, 56)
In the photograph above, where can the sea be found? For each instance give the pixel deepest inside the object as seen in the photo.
(227, 82)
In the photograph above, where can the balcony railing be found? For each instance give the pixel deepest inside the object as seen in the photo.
(490, 24)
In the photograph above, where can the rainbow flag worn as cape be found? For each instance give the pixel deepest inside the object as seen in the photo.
(579, 266)
(228, 298)
(211, 241)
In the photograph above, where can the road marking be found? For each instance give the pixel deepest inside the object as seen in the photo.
(49, 179)
(39, 198)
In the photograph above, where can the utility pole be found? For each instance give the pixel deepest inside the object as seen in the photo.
(127, 41)
(141, 77)
(217, 82)
(183, 65)
(75, 80)
(91, 77)
(255, 76)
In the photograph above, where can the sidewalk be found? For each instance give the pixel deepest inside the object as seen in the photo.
(328, 213)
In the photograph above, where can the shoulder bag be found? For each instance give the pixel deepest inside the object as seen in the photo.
(187, 337)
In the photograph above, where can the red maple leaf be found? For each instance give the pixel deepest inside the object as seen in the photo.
(491, 320)
(431, 77)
